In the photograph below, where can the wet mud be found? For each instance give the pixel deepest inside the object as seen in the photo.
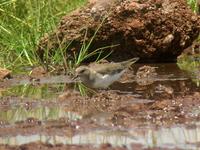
(154, 106)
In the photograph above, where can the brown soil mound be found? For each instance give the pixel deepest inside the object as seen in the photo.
(150, 29)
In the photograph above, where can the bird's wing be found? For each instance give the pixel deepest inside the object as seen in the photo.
(109, 68)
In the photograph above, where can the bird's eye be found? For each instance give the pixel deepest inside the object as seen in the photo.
(82, 71)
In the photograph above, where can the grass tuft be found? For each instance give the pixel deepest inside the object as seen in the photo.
(194, 5)
(23, 23)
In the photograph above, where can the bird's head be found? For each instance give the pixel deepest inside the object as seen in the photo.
(83, 72)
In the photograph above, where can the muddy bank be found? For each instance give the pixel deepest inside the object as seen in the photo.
(50, 113)
(154, 30)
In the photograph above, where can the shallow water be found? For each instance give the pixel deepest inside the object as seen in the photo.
(29, 107)
(173, 137)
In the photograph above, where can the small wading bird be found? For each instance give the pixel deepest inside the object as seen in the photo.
(101, 76)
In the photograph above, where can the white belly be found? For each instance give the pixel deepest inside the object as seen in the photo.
(106, 80)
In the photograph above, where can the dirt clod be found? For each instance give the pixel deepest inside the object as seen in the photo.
(4, 73)
(154, 30)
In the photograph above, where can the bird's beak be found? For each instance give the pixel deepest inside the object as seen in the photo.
(75, 77)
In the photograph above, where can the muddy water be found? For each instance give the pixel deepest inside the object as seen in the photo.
(157, 110)
(173, 137)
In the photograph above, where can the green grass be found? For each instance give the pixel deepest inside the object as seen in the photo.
(191, 65)
(193, 4)
(39, 92)
(23, 23)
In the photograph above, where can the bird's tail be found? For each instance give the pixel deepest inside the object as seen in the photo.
(129, 62)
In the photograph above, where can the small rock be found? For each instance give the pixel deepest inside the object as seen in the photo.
(4, 73)
(146, 75)
(168, 39)
(38, 72)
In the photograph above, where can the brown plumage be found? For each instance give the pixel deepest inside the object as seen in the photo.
(103, 75)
